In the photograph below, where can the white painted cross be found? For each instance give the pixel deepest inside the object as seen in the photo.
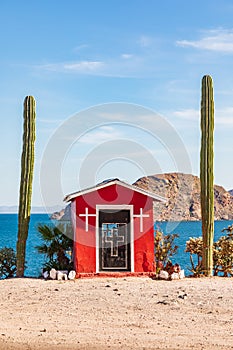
(141, 216)
(112, 237)
(86, 215)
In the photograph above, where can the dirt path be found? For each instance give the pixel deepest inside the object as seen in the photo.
(123, 313)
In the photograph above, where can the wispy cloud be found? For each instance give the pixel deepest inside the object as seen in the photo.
(79, 67)
(50, 121)
(126, 56)
(84, 66)
(223, 116)
(187, 114)
(125, 65)
(102, 134)
(80, 47)
(145, 41)
(137, 63)
(218, 40)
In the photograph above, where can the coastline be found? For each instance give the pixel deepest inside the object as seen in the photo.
(122, 313)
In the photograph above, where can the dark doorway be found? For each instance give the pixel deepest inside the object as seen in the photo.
(114, 240)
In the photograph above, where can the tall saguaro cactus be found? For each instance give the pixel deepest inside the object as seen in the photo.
(25, 195)
(207, 173)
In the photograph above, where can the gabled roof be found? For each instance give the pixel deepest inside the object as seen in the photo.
(111, 182)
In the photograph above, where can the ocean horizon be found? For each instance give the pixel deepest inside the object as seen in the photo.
(185, 230)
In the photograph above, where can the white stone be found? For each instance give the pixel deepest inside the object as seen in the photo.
(181, 274)
(163, 275)
(45, 274)
(72, 275)
(62, 275)
(175, 276)
(53, 274)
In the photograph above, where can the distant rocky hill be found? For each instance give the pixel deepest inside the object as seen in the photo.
(231, 192)
(183, 197)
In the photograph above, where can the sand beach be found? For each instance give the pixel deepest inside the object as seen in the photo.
(116, 313)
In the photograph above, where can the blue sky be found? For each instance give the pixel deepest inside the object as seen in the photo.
(73, 55)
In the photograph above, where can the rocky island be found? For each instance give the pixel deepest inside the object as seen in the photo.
(183, 197)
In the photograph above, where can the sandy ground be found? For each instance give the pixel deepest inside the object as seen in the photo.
(121, 313)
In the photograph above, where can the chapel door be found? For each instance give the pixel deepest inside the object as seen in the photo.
(114, 240)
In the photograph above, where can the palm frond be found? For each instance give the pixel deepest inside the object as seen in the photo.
(46, 232)
(55, 243)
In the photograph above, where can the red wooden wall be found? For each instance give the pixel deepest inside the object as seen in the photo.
(85, 242)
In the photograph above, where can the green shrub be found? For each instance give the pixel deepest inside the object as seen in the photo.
(7, 263)
(165, 248)
(194, 246)
(222, 254)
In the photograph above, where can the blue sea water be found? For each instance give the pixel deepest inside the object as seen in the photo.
(185, 229)
(8, 238)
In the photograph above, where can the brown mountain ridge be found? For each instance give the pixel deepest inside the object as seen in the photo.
(183, 197)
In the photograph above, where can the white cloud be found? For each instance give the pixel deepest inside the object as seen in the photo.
(126, 66)
(102, 134)
(78, 67)
(50, 121)
(145, 41)
(140, 63)
(218, 40)
(187, 114)
(80, 47)
(126, 56)
(223, 116)
(83, 66)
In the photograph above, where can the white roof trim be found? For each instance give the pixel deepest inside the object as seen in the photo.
(104, 184)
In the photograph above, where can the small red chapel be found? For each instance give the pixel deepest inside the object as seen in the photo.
(113, 228)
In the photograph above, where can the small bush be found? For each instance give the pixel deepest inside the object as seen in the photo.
(165, 248)
(56, 246)
(222, 254)
(7, 263)
(194, 246)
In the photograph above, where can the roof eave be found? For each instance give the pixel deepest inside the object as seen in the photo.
(155, 197)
